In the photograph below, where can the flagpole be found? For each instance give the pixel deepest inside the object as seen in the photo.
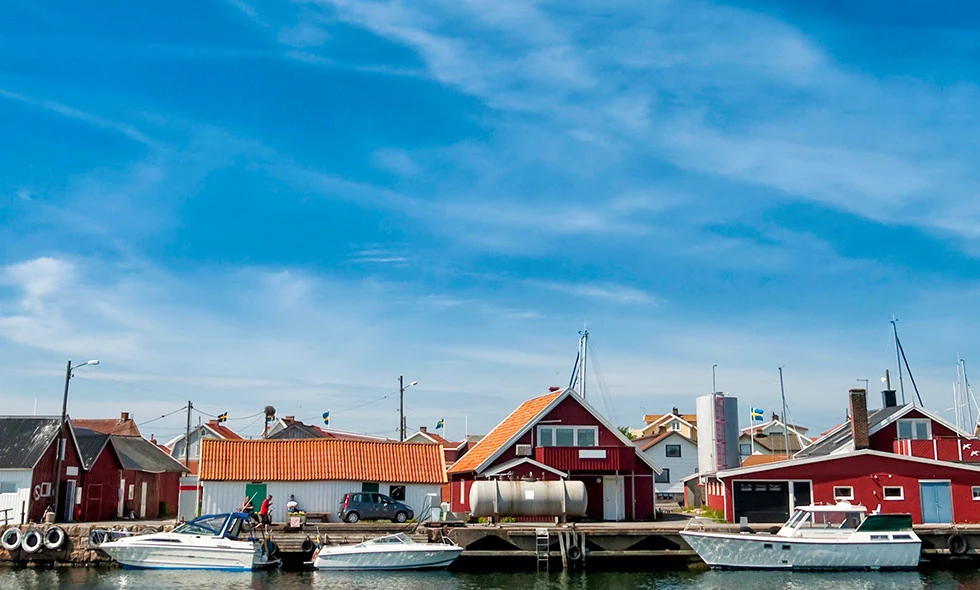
(751, 431)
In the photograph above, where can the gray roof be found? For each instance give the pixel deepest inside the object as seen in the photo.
(24, 439)
(90, 444)
(841, 436)
(298, 430)
(138, 454)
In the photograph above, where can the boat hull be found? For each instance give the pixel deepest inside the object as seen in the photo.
(747, 551)
(149, 555)
(435, 557)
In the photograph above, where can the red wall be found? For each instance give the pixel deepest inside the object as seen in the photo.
(571, 413)
(100, 488)
(868, 475)
(160, 487)
(44, 472)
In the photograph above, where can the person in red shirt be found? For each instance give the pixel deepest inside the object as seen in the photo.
(265, 511)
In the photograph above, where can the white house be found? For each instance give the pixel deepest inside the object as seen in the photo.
(318, 472)
(768, 438)
(211, 429)
(677, 456)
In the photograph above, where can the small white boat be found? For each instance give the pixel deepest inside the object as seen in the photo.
(215, 542)
(391, 552)
(838, 537)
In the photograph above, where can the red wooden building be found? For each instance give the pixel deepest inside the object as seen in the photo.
(560, 436)
(901, 458)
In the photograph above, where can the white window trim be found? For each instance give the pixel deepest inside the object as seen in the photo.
(850, 496)
(675, 425)
(900, 496)
(973, 491)
(914, 421)
(576, 428)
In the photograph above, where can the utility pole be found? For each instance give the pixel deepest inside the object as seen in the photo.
(59, 452)
(401, 408)
(187, 437)
(782, 393)
(898, 358)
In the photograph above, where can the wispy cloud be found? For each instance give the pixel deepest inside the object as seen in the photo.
(612, 293)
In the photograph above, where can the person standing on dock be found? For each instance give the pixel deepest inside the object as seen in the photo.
(265, 511)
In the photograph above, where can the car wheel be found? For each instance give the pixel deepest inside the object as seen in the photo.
(352, 517)
(401, 517)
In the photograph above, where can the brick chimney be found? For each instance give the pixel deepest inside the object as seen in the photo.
(123, 416)
(677, 412)
(423, 429)
(859, 418)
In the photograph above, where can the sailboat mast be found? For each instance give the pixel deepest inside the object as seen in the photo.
(584, 344)
(898, 357)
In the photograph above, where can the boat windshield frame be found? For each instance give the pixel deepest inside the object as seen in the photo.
(207, 525)
(396, 538)
(839, 516)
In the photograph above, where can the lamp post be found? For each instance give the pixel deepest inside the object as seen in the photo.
(714, 388)
(401, 405)
(60, 446)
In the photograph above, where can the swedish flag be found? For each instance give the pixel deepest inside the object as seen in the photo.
(756, 414)
(326, 418)
(223, 417)
(441, 423)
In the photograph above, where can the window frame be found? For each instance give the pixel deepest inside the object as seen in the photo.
(900, 496)
(665, 475)
(667, 449)
(849, 496)
(747, 447)
(913, 422)
(975, 490)
(553, 436)
(396, 490)
(8, 483)
(675, 425)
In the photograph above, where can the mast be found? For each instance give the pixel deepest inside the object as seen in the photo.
(898, 357)
(584, 343)
(782, 393)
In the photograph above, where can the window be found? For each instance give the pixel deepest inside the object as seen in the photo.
(745, 449)
(132, 491)
(893, 493)
(915, 429)
(397, 493)
(46, 489)
(567, 436)
(843, 493)
(976, 492)
(673, 450)
(369, 487)
(8, 487)
(663, 477)
(675, 425)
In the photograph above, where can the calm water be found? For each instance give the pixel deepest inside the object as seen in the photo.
(183, 580)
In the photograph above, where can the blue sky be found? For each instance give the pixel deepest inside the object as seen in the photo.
(244, 203)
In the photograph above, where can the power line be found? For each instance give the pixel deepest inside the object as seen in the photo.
(180, 409)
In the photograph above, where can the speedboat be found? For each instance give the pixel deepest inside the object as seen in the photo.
(390, 552)
(215, 541)
(839, 536)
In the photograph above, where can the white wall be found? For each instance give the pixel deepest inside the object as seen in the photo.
(313, 496)
(680, 467)
(16, 501)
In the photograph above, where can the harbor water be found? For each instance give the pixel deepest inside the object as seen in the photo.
(111, 579)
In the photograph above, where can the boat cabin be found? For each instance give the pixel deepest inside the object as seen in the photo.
(833, 520)
(228, 526)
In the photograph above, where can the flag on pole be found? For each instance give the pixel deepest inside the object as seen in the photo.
(757, 414)
(222, 417)
(326, 418)
(441, 423)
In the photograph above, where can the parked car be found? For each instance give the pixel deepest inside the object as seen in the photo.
(372, 506)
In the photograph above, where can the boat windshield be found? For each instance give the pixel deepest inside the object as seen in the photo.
(211, 524)
(826, 519)
(396, 538)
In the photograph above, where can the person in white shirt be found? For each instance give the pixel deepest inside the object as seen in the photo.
(292, 505)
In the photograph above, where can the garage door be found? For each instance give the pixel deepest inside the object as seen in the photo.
(762, 501)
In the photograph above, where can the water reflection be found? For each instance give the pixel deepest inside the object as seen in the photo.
(102, 579)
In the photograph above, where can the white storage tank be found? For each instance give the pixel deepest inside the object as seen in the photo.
(528, 498)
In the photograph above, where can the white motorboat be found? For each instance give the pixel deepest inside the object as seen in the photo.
(390, 552)
(838, 536)
(215, 541)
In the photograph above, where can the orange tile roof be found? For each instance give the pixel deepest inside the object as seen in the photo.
(224, 431)
(109, 426)
(502, 433)
(762, 460)
(321, 459)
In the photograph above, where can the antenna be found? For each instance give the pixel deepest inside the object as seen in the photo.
(898, 358)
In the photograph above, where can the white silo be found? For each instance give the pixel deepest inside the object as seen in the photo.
(717, 432)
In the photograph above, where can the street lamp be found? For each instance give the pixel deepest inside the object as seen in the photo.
(401, 405)
(714, 388)
(59, 451)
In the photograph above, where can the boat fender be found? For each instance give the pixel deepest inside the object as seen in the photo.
(271, 549)
(574, 553)
(33, 541)
(774, 529)
(307, 546)
(96, 537)
(11, 538)
(54, 538)
(957, 544)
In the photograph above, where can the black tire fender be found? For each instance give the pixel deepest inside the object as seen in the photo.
(574, 553)
(308, 546)
(957, 543)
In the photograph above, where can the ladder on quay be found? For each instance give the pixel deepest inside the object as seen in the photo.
(542, 548)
